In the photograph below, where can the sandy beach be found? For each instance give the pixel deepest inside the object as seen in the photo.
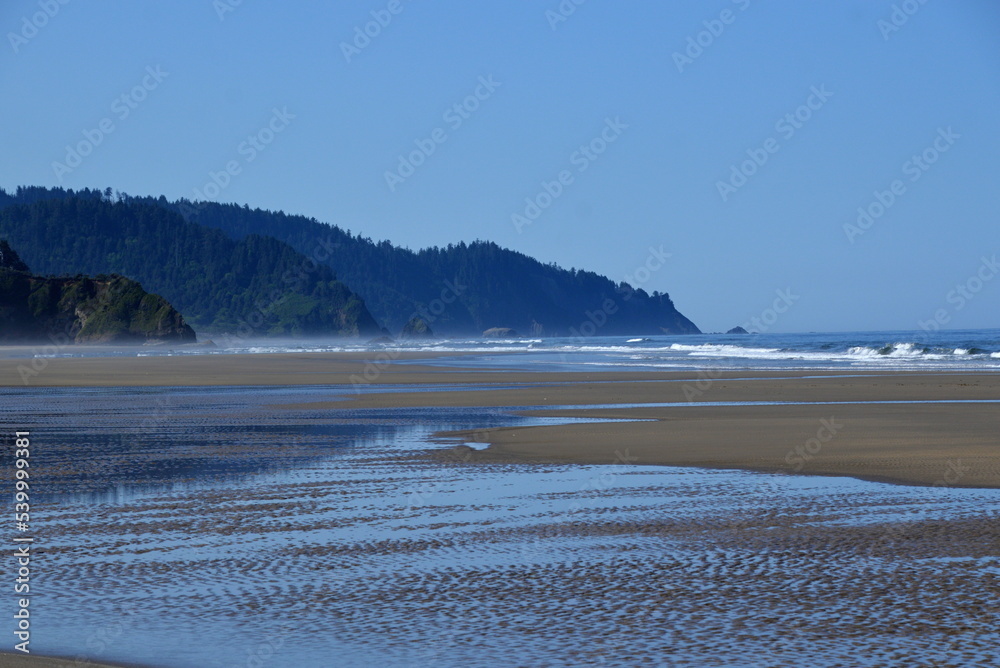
(838, 432)
(363, 523)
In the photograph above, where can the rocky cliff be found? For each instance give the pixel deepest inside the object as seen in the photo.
(80, 309)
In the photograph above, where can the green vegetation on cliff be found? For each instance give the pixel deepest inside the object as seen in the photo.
(460, 289)
(254, 286)
(225, 266)
(105, 309)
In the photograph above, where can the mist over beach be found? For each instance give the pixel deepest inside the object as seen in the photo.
(561, 333)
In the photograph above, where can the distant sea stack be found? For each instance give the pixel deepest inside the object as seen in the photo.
(416, 328)
(501, 333)
(80, 309)
(737, 330)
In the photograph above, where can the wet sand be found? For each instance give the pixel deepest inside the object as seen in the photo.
(208, 370)
(376, 553)
(22, 661)
(944, 444)
(953, 444)
(379, 555)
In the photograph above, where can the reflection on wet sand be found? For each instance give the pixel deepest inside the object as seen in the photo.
(281, 537)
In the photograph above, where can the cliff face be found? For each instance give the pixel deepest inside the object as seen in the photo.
(106, 309)
(416, 328)
(9, 259)
(255, 286)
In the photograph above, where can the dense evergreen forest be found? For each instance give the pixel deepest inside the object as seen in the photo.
(256, 286)
(214, 261)
(481, 284)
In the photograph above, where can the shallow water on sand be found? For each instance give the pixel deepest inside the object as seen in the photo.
(204, 527)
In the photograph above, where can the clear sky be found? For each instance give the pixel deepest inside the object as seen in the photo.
(668, 100)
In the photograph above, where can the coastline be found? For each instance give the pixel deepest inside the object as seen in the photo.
(837, 431)
(10, 660)
(384, 522)
(349, 368)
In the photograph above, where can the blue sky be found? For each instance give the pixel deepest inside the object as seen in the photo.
(648, 113)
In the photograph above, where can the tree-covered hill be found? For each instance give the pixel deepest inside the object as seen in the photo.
(462, 288)
(254, 286)
(214, 261)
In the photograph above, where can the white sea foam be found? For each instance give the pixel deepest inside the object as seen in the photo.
(965, 350)
(724, 350)
(901, 354)
(905, 349)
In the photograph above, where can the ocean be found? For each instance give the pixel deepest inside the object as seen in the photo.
(959, 350)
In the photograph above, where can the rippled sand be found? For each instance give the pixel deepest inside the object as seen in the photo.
(258, 536)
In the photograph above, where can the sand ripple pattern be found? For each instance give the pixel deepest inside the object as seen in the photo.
(220, 532)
